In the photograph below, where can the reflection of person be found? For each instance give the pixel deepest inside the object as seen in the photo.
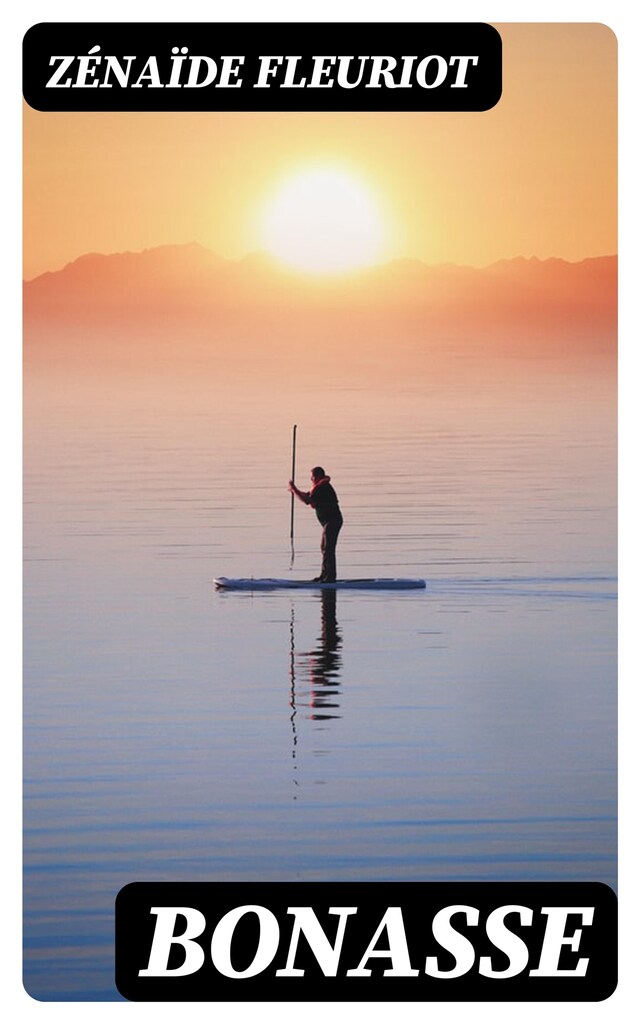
(325, 662)
(324, 500)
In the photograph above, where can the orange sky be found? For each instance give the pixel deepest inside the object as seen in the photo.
(534, 176)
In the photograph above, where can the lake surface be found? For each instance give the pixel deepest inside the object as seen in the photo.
(175, 733)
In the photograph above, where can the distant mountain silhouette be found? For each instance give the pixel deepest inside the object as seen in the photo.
(256, 301)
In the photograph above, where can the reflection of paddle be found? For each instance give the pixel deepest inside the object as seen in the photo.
(293, 479)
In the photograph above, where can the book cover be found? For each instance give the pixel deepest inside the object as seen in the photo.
(390, 278)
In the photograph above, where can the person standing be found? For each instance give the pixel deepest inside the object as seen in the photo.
(324, 500)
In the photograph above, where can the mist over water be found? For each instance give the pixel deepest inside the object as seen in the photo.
(175, 733)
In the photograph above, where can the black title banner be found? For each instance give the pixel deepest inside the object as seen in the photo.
(416, 941)
(256, 67)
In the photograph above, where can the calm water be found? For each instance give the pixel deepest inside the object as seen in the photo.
(172, 732)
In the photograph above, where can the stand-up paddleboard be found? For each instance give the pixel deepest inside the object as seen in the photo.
(223, 583)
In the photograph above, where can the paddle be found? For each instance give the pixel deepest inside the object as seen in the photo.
(293, 477)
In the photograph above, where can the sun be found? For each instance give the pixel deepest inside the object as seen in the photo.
(324, 221)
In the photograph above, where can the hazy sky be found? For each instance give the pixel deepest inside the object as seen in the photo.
(534, 176)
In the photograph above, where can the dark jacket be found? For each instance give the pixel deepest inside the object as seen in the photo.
(324, 500)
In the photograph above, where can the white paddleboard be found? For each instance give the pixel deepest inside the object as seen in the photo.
(224, 583)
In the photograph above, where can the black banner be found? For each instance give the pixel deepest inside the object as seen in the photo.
(258, 67)
(415, 941)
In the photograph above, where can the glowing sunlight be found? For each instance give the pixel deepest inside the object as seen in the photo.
(323, 221)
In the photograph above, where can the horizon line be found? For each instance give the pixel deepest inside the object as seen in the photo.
(309, 275)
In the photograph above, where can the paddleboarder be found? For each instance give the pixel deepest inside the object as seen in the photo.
(324, 500)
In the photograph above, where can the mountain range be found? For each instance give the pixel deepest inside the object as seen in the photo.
(191, 290)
